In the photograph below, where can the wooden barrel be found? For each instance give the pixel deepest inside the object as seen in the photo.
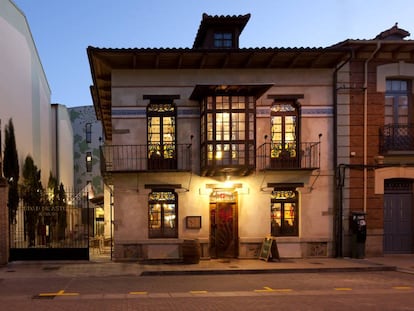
(191, 251)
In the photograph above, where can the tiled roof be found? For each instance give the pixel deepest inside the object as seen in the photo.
(209, 21)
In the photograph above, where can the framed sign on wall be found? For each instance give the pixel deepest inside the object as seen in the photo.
(193, 222)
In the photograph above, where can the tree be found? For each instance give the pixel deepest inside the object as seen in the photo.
(33, 196)
(57, 199)
(11, 169)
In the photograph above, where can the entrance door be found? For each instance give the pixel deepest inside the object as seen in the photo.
(398, 221)
(223, 230)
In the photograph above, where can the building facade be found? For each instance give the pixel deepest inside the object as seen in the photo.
(374, 152)
(87, 139)
(217, 143)
(228, 146)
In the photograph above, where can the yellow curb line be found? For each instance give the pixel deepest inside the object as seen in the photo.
(59, 293)
(268, 289)
(402, 287)
(138, 293)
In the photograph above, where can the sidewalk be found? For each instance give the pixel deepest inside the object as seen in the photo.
(104, 267)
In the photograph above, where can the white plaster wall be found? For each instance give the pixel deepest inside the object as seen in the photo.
(65, 145)
(25, 93)
(315, 198)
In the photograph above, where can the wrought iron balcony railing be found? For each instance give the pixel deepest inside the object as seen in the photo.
(307, 156)
(135, 158)
(397, 137)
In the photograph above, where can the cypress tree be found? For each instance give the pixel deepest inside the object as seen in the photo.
(11, 168)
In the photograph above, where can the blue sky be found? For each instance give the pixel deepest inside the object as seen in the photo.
(63, 29)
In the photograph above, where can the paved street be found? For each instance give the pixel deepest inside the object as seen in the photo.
(382, 290)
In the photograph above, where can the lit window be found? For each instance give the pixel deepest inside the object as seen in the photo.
(161, 129)
(228, 132)
(162, 218)
(284, 133)
(284, 213)
(89, 162)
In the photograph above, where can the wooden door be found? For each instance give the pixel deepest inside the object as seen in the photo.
(223, 230)
(398, 217)
(398, 229)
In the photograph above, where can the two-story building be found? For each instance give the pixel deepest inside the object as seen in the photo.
(374, 151)
(218, 143)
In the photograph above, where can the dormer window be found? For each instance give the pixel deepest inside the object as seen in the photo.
(223, 40)
(220, 32)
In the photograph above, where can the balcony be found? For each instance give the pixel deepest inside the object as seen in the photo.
(307, 157)
(133, 158)
(397, 139)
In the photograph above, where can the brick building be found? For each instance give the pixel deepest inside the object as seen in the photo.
(374, 135)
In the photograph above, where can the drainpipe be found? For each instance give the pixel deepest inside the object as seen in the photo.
(366, 123)
(337, 230)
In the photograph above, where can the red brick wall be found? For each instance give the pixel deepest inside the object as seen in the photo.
(375, 119)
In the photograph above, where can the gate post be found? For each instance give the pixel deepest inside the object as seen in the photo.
(4, 223)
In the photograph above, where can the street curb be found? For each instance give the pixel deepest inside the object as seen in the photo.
(263, 271)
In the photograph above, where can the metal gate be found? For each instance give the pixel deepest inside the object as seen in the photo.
(52, 231)
(398, 222)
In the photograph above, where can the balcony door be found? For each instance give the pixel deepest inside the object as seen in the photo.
(161, 139)
(284, 133)
(398, 127)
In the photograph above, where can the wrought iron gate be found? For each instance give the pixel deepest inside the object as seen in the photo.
(52, 231)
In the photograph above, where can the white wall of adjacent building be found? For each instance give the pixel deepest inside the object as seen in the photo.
(25, 96)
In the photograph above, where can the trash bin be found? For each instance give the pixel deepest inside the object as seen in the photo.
(191, 251)
(358, 228)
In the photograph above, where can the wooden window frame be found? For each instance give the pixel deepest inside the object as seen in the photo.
(161, 232)
(284, 228)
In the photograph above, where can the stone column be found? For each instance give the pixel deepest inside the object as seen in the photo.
(4, 223)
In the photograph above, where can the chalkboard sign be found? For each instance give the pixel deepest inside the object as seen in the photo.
(269, 249)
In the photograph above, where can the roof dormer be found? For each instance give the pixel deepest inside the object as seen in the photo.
(220, 32)
(394, 33)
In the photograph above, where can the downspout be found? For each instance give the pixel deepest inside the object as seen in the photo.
(338, 196)
(366, 123)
